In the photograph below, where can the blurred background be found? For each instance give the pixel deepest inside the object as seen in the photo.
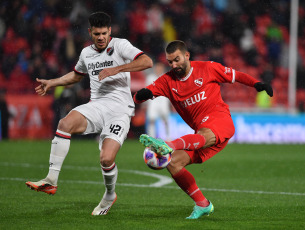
(266, 39)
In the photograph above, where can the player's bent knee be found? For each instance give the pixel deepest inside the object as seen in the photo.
(64, 125)
(73, 123)
(209, 137)
(106, 161)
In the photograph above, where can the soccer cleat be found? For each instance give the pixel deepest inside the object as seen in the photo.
(42, 186)
(157, 145)
(103, 207)
(201, 211)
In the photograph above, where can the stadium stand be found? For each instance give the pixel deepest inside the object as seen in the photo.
(44, 39)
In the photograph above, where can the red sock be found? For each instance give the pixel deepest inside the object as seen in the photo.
(188, 142)
(187, 183)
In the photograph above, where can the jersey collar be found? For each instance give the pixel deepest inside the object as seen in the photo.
(188, 75)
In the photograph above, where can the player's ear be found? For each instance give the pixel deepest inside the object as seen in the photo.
(89, 31)
(187, 55)
(109, 30)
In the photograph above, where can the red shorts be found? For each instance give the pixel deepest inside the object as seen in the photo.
(222, 126)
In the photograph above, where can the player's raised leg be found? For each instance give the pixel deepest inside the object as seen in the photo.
(108, 153)
(187, 142)
(74, 122)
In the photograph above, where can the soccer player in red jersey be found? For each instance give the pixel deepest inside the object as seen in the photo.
(193, 87)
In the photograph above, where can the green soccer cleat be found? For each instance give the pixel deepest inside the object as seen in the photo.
(201, 211)
(157, 145)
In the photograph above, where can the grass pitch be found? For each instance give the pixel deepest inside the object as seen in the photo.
(251, 187)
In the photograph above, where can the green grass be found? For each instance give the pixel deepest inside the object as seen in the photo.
(251, 187)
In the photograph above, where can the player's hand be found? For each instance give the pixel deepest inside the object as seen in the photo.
(259, 86)
(43, 88)
(143, 95)
(107, 72)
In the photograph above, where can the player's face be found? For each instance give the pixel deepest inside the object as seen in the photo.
(179, 62)
(100, 36)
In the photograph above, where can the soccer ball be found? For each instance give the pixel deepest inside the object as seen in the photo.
(155, 161)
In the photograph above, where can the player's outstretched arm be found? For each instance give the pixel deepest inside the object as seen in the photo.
(142, 95)
(46, 85)
(141, 63)
(246, 79)
(260, 86)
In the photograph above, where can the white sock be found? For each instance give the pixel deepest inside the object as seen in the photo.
(59, 150)
(110, 175)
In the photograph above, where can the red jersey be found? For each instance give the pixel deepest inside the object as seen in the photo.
(197, 94)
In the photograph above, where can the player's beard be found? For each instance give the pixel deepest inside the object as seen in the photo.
(180, 71)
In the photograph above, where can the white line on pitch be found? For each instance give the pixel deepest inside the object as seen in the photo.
(168, 187)
(163, 180)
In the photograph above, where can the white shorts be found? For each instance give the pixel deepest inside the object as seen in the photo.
(101, 119)
(158, 108)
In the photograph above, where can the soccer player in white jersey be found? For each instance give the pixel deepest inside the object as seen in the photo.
(159, 107)
(108, 62)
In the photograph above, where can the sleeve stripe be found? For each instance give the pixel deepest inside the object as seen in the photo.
(138, 55)
(78, 72)
(233, 75)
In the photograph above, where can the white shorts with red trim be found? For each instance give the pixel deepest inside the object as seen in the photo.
(101, 119)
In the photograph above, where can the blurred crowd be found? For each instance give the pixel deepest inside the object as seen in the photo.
(43, 38)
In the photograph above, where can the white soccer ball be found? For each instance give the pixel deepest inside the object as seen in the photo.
(154, 161)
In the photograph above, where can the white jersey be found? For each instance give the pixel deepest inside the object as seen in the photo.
(159, 106)
(115, 89)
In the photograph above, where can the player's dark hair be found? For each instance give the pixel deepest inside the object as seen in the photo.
(175, 45)
(99, 19)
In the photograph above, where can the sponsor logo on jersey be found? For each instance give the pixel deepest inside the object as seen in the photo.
(227, 70)
(205, 119)
(193, 99)
(175, 90)
(96, 72)
(196, 145)
(110, 51)
(199, 82)
(98, 65)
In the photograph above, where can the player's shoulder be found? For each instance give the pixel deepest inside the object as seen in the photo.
(121, 44)
(168, 75)
(88, 50)
(208, 65)
(203, 63)
(165, 78)
(118, 41)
